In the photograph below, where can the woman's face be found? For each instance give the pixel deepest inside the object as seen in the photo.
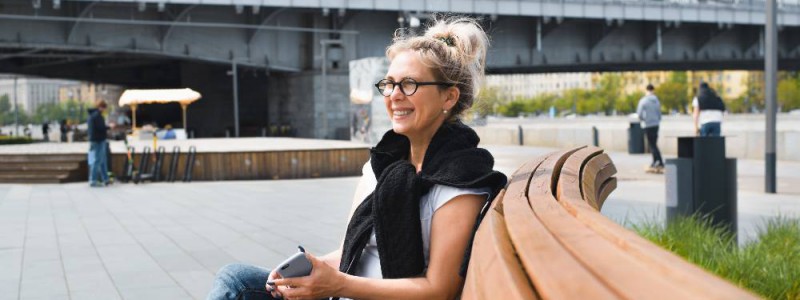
(419, 115)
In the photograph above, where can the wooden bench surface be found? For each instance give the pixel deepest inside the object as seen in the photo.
(544, 238)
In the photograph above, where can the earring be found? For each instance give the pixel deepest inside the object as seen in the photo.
(444, 111)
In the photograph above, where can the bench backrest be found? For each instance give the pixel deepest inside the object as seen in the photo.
(545, 238)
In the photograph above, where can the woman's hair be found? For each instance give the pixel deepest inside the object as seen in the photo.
(454, 48)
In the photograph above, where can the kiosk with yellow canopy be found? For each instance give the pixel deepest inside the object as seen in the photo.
(133, 98)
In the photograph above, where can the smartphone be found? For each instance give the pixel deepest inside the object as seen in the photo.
(295, 266)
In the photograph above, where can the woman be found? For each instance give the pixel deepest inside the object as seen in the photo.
(422, 193)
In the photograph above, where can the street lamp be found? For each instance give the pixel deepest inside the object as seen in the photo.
(16, 109)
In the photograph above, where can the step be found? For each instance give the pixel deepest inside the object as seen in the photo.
(30, 180)
(37, 177)
(39, 166)
(25, 158)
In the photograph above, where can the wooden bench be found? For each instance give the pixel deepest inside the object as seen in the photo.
(544, 238)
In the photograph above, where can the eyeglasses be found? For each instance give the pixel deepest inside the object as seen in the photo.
(407, 86)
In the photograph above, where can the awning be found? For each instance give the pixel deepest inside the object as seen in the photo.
(183, 96)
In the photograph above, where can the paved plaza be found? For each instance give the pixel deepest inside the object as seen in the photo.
(166, 240)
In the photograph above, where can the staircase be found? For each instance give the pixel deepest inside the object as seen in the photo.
(42, 168)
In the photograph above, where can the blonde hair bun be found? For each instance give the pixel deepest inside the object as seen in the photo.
(454, 47)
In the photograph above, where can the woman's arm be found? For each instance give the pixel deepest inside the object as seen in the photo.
(451, 230)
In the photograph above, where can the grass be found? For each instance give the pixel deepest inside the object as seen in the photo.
(768, 266)
(10, 140)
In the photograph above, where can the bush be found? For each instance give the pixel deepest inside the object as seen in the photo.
(769, 266)
(13, 140)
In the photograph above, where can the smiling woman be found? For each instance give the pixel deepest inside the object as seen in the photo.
(425, 188)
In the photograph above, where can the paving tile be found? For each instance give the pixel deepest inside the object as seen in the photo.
(89, 281)
(42, 268)
(142, 279)
(95, 295)
(48, 287)
(165, 293)
(83, 264)
(9, 288)
(178, 262)
(197, 283)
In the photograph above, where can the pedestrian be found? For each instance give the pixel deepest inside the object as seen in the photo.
(63, 128)
(707, 109)
(421, 192)
(98, 134)
(46, 131)
(649, 111)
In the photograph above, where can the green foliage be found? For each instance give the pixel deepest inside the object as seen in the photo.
(14, 140)
(5, 104)
(608, 93)
(769, 266)
(488, 101)
(789, 93)
(629, 103)
(673, 96)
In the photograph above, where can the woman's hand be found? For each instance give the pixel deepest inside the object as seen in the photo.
(324, 281)
(273, 275)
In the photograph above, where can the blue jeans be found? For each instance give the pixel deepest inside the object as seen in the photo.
(98, 161)
(711, 129)
(240, 282)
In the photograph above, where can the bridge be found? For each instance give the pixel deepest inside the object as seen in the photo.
(287, 51)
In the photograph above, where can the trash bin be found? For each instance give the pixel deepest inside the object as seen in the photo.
(702, 181)
(635, 138)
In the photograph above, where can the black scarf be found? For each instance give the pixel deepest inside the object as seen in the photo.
(392, 209)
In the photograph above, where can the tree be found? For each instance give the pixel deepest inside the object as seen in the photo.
(789, 93)
(672, 96)
(488, 100)
(5, 104)
(608, 92)
(629, 103)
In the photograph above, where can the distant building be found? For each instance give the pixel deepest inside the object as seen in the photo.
(531, 85)
(31, 92)
(728, 84)
(89, 93)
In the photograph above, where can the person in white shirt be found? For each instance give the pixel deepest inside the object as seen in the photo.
(422, 193)
(707, 109)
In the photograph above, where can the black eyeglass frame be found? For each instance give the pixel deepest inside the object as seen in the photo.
(416, 86)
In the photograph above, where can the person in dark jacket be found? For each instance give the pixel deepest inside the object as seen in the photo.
(97, 146)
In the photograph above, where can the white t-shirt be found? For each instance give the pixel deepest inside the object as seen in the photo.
(707, 115)
(370, 264)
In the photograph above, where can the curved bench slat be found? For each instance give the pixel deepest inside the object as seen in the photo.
(495, 262)
(609, 265)
(596, 171)
(554, 275)
(682, 274)
(569, 182)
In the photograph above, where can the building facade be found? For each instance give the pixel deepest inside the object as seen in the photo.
(31, 92)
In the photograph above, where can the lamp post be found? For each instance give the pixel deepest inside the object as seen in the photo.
(770, 89)
(325, 44)
(16, 109)
(235, 99)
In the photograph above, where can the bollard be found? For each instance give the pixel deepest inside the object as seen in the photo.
(519, 130)
(595, 138)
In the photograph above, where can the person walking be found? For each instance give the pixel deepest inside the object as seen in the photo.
(97, 145)
(46, 131)
(707, 109)
(63, 128)
(649, 111)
